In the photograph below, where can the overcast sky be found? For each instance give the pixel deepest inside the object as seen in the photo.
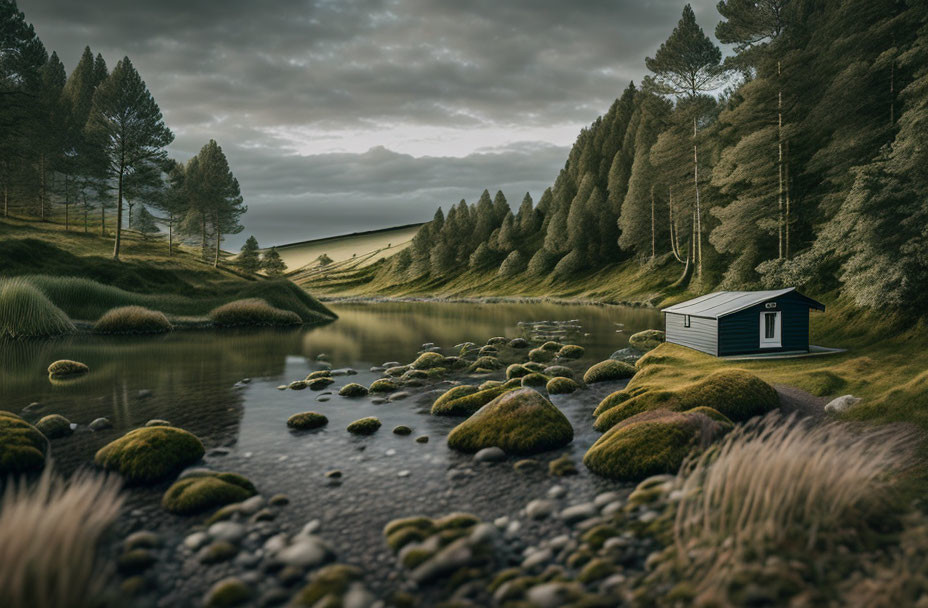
(347, 115)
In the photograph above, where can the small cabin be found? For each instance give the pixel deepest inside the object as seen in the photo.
(728, 323)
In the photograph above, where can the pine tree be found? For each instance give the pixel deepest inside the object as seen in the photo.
(248, 259)
(218, 194)
(127, 124)
(145, 223)
(272, 264)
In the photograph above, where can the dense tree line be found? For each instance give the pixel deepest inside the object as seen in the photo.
(810, 168)
(93, 142)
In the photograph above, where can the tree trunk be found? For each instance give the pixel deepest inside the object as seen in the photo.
(86, 214)
(118, 218)
(170, 234)
(6, 200)
(203, 238)
(42, 186)
(779, 165)
(218, 238)
(102, 218)
(787, 220)
(67, 216)
(653, 243)
(674, 235)
(697, 220)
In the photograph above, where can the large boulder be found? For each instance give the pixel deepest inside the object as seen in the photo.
(651, 443)
(607, 370)
(646, 340)
(206, 490)
(22, 446)
(520, 422)
(737, 394)
(150, 454)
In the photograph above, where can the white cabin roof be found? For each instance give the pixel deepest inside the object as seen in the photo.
(721, 303)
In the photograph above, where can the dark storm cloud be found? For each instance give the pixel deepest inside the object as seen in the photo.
(241, 71)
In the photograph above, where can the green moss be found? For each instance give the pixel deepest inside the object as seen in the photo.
(533, 366)
(735, 394)
(305, 421)
(562, 466)
(651, 443)
(560, 386)
(22, 446)
(54, 426)
(219, 551)
(66, 367)
(558, 371)
(224, 513)
(353, 389)
(516, 370)
(321, 373)
(227, 593)
(551, 346)
(487, 350)
(535, 379)
(712, 413)
(364, 426)
(453, 393)
(414, 557)
(596, 569)
(297, 385)
(824, 383)
(205, 491)
(319, 383)
(436, 372)
(402, 430)
(428, 360)
(252, 312)
(403, 536)
(419, 522)
(397, 371)
(526, 465)
(646, 340)
(502, 577)
(415, 374)
(497, 341)
(456, 521)
(519, 421)
(486, 363)
(135, 561)
(489, 384)
(570, 351)
(614, 399)
(597, 536)
(331, 581)
(132, 320)
(607, 370)
(540, 355)
(150, 454)
(467, 404)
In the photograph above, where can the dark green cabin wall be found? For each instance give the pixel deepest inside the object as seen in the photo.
(739, 333)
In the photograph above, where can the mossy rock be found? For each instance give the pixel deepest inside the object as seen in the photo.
(596, 569)
(404, 536)
(521, 422)
(319, 383)
(613, 399)
(205, 491)
(297, 385)
(736, 394)
(646, 340)
(535, 379)
(512, 383)
(540, 355)
(651, 443)
(561, 386)
(608, 370)
(253, 312)
(227, 593)
(712, 413)
(22, 446)
(561, 371)
(402, 429)
(467, 404)
(454, 393)
(497, 341)
(428, 361)
(321, 373)
(396, 371)
(519, 343)
(562, 467)
(150, 454)
(54, 426)
(551, 346)
(489, 384)
(65, 367)
(425, 524)
(383, 386)
(416, 374)
(517, 370)
(486, 363)
(353, 389)
(364, 426)
(306, 421)
(491, 351)
(533, 366)
(329, 583)
(570, 351)
(456, 521)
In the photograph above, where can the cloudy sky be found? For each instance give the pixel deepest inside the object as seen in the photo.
(347, 115)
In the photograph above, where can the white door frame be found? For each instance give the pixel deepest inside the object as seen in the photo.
(777, 340)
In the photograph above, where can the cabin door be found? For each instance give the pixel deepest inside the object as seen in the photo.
(770, 329)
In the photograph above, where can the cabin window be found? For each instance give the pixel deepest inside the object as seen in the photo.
(770, 326)
(770, 329)
(686, 320)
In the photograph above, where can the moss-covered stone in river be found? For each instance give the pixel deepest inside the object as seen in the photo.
(497, 341)
(648, 339)
(383, 385)
(608, 370)
(562, 466)
(491, 351)
(535, 379)
(305, 421)
(736, 394)
(54, 426)
(320, 373)
(519, 421)
(402, 429)
(353, 389)
(227, 593)
(551, 346)
(204, 491)
(558, 371)
(570, 351)
(328, 585)
(364, 426)
(397, 370)
(518, 343)
(540, 355)
(428, 360)
(533, 366)
(517, 370)
(486, 363)
(65, 367)
(466, 404)
(561, 386)
(489, 384)
(454, 393)
(22, 446)
(150, 454)
(297, 385)
(319, 383)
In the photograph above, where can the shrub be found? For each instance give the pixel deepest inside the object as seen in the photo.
(648, 339)
(132, 320)
(541, 263)
(150, 454)
(364, 426)
(22, 446)
(205, 491)
(50, 533)
(607, 370)
(519, 421)
(569, 265)
(25, 312)
(736, 394)
(253, 312)
(305, 421)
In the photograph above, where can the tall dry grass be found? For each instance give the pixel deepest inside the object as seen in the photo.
(25, 312)
(132, 320)
(49, 539)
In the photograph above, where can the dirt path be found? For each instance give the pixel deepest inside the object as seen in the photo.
(796, 400)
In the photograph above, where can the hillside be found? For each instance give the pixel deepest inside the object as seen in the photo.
(356, 250)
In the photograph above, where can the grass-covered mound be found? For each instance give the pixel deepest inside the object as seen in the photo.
(132, 320)
(206, 490)
(150, 454)
(65, 367)
(651, 443)
(519, 421)
(607, 370)
(252, 312)
(646, 340)
(54, 426)
(22, 446)
(25, 312)
(463, 402)
(305, 421)
(561, 386)
(364, 426)
(736, 394)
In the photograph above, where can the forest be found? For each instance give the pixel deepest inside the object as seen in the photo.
(801, 159)
(89, 147)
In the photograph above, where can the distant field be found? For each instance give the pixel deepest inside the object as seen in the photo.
(358, 249)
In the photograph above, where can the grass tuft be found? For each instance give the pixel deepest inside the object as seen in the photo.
(25, 312)
(132, 320)
(253, 312)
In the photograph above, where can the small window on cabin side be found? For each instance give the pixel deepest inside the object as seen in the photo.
(686, 320)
